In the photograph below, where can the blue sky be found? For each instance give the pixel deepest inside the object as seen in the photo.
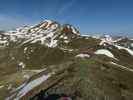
(90, 16)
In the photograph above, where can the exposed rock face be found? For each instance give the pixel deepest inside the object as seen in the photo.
(50, 60)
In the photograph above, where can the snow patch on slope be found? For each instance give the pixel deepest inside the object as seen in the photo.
(82, 56)
(73, 30)
(122, 67)
(127, 49)
(21, 64)
(1, 86)
(105, 52)
(131, 44)
(107, 39)
(25, 88)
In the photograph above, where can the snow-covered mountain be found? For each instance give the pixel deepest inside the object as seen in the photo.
(52, 60)
(46, 32)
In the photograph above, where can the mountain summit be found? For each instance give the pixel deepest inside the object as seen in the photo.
(50, 61)
(47, 32)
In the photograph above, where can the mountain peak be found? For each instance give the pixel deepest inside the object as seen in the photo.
(46, 32)
(70, 29)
